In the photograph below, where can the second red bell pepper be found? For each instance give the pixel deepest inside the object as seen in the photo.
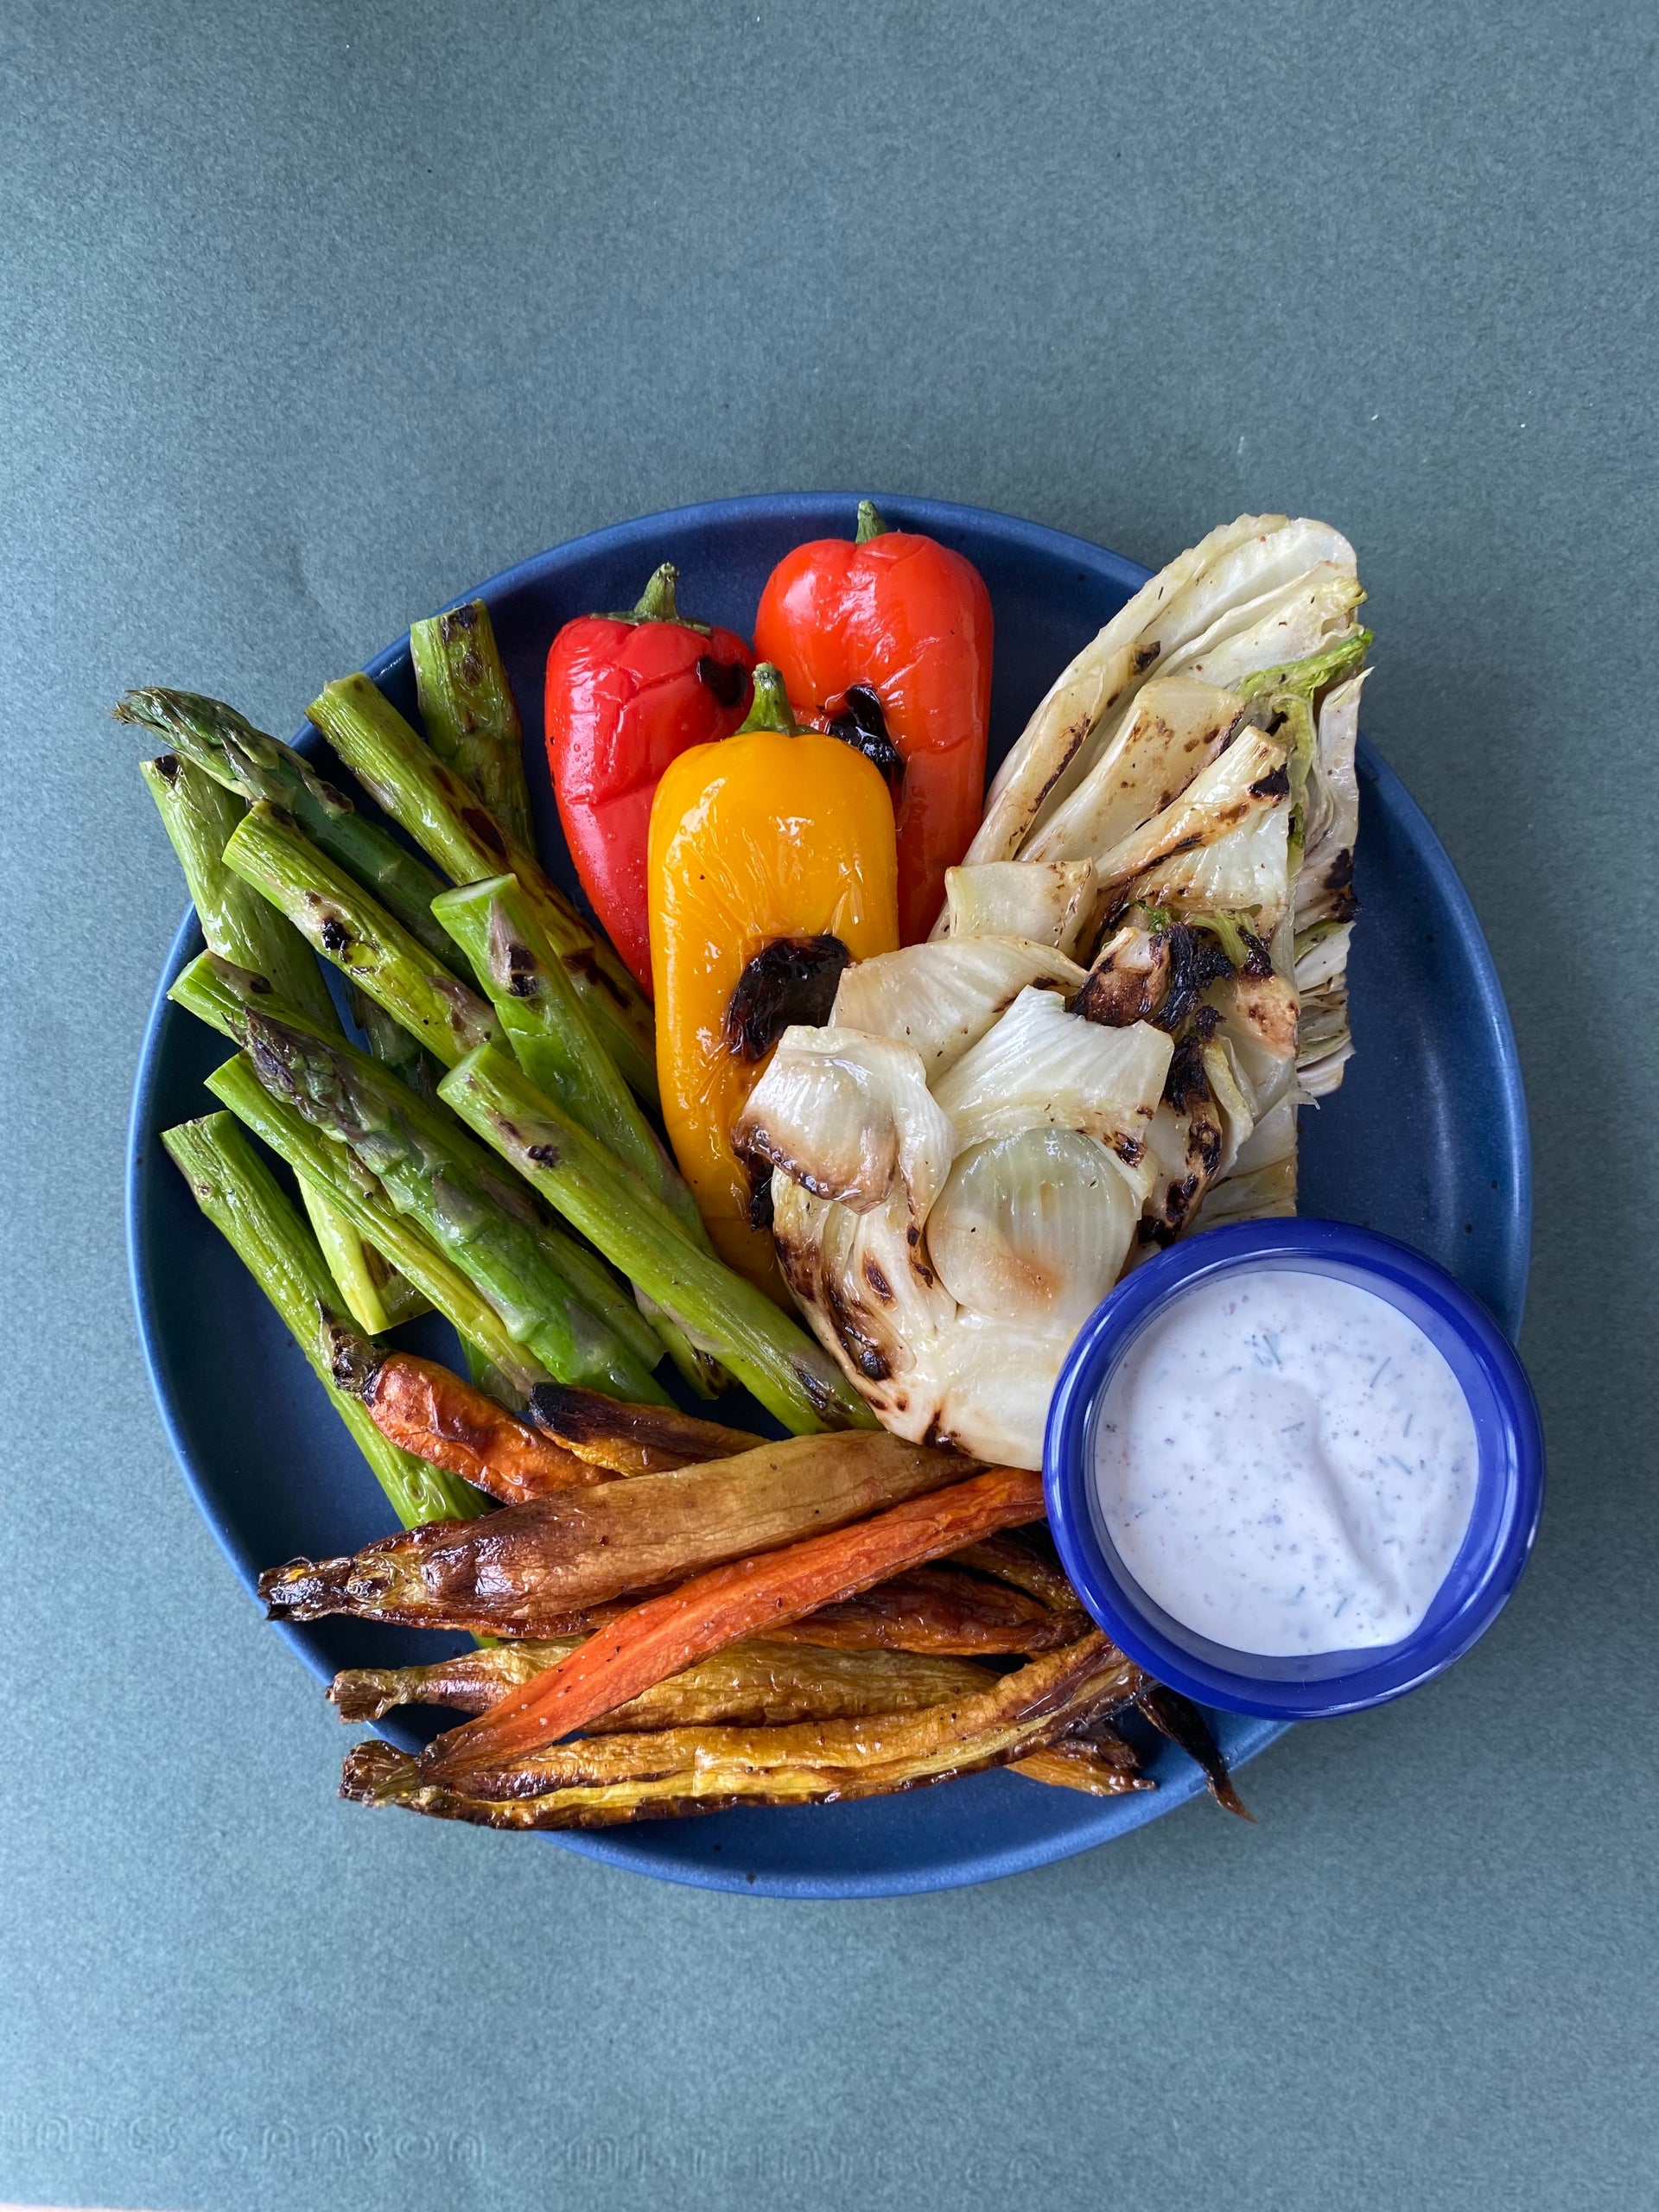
(887, 641)
(626, 694)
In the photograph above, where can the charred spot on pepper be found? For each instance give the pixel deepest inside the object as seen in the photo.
(863, 725)
(792, 980)
(726, 679)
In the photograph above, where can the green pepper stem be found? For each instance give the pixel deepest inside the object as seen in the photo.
(870, 524)
(770, 710)
(657, 602)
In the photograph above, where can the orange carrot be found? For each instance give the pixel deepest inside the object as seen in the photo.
(434, 1414)
(652, 1641)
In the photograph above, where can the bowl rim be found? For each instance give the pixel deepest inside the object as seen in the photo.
(1509, 1481)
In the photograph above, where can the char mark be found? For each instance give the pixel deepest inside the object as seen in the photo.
(864, 727)
(726, 679)
(793, 979)
(483, 826)
(1196, 961)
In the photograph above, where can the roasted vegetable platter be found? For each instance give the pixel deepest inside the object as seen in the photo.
(1425, 1138)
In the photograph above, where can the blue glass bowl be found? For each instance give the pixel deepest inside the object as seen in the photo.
(1508, 1485)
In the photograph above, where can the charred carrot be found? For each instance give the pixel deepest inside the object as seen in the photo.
(934, 1609)
(671, 1772)
(430, 1411)
(750, 1598)
(631, 1440)
(582, 1548)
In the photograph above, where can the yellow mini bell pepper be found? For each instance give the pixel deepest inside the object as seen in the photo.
(772, 864)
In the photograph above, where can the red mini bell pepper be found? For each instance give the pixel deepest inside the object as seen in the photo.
(887, 641)
(625, 695)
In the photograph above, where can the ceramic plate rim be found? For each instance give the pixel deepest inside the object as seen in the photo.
(1037, 539)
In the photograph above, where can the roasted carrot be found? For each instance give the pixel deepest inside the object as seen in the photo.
(1015, 1558)
(523, 1571)
(631, 1440)
(931, 1611)
(602, 1780)
(935, 1609)
(752, 1685)
(751, 1597)
(432, 1413)
(1099, 1768)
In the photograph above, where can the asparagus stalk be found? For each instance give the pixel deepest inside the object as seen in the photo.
(310, 1154)
(216, 739)
(471, 715)
(239, 1196)
(225, 997)
(393, 1046)
(198, 816)
(408, 780)
(552, 1037)
(483, 1222)
(352, 929)
(556, 1044)
(721, 1312)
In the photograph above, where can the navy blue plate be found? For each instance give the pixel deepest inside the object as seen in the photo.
(1426, 1140)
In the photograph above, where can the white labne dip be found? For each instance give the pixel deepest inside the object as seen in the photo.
(1286, 1464)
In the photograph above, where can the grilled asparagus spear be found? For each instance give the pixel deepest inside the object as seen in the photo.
(416, 788)
(351, 928)
(484, 1220)
(556, 1044)
(226, 747)
(311, 1155)
(721, 1312)
(198, 816)
(239, 1196)
(224, 996)
(470, 714)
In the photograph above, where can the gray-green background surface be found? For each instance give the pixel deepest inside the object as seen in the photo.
(313, 316)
